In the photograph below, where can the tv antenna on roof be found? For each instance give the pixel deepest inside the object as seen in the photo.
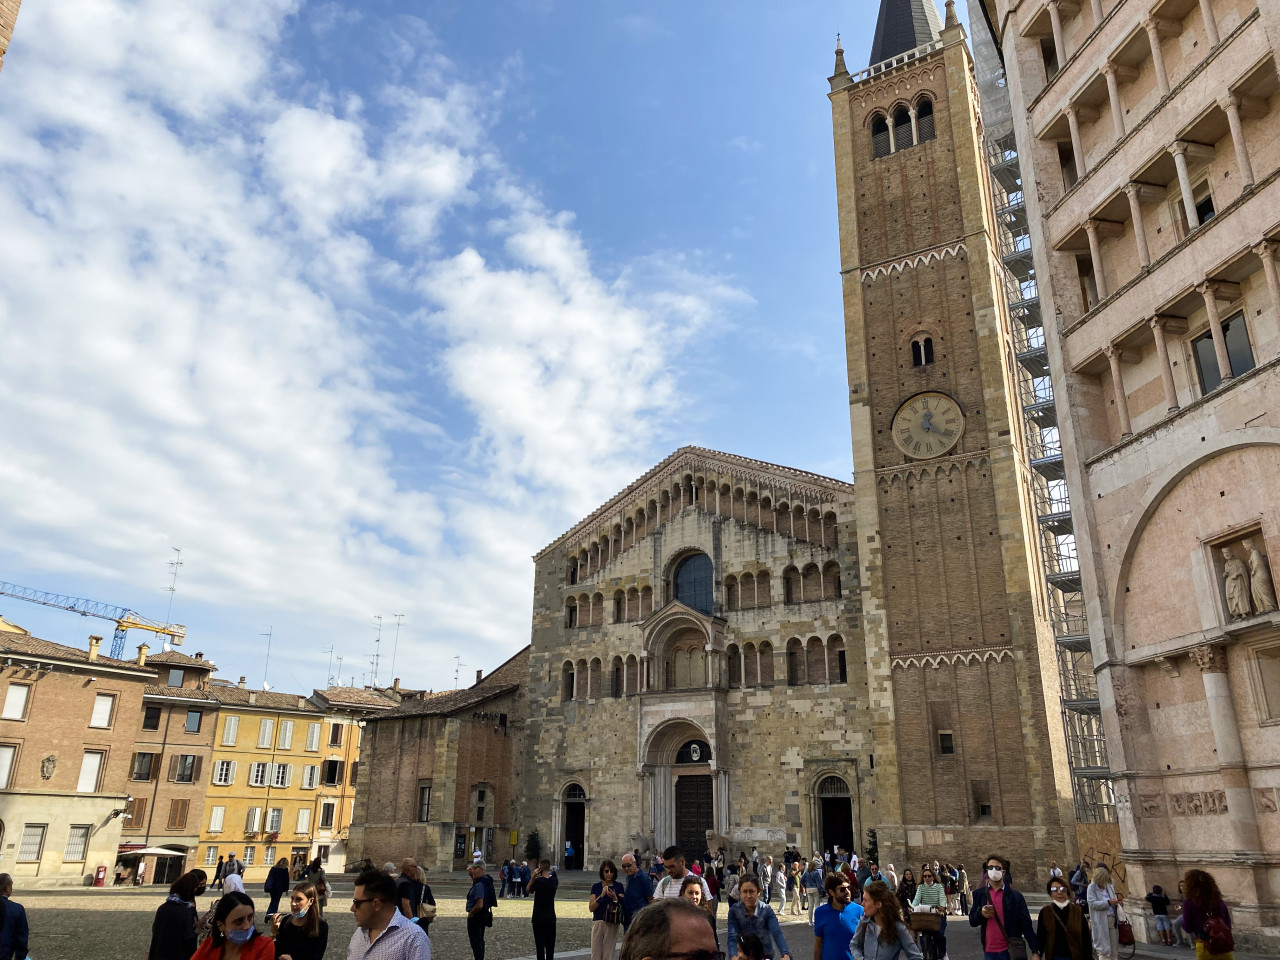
(267, 664)
(377, 646)
(395, 644)
(174, 564)
(457, 668)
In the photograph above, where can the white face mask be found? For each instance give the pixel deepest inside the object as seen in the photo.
(995, 874)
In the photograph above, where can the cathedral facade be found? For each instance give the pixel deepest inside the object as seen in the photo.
(739, 653)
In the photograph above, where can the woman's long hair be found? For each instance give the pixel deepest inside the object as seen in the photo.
(187, 885)
(890, 914)
(1201, 889)
(311, 923)
(223, 910)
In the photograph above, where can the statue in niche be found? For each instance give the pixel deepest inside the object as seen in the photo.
(1260, 585)
(1235, 580)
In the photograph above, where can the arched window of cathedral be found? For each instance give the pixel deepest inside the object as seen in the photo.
(593, 679)
(831, 580)
(573, 570)
(597, 610)
(574, 791)
(693, 583)
(566, 681)
(791, 592)
(837, 668)
(619, 606)
(924, 119)
(633, 604)
(795, 662)
(571, 612)
(763, 585)
(594, 553)
(815, 525)
(830, 530)
(799, 530)
(633, 674)
(740, 505)
(879, 136)
(902, 137)
(782, 519)
(731, 594)
(921, 350)
(746, 592)
(753, 507)
(646, 602)
(766, 664)
(617, 686)
(580, 678)
(812, 583)
(750, 665)
(628, 534)
(766, 514)
(734, 656)
(815, 662)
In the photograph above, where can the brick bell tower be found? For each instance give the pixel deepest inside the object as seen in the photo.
(959, 655)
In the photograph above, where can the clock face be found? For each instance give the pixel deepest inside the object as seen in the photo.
(927, 425)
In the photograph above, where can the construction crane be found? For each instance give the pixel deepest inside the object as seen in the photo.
(124, 618)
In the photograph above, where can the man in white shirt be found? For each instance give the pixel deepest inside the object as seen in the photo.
(669, 886)
(382, 932)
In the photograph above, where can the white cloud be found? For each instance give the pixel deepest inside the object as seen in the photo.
(746, 144)
(233, 322)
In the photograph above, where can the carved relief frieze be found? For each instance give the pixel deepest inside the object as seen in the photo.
(897, 84)
(911, 472)
(1207, 803)
(951, 658)
(1152, 804)
(915, 260)
(1265, 800)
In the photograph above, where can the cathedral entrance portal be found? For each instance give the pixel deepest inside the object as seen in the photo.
(695, 803)
(835, 812)
(575, 828)
(686, 792)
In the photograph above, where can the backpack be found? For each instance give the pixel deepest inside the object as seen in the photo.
(1218, 936)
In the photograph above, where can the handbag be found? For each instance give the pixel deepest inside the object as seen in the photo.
(1124, 929)
(613, 911)
(1017, 945)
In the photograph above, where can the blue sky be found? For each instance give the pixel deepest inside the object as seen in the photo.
(361, 305)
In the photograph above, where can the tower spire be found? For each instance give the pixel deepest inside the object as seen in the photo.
(952, 19)
(904, 25)
(841, 69)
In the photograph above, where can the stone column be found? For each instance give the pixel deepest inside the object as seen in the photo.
(1231, 107)
(1179, 151)
(1077, 145)
(1152, 26)
(644, 673)
(915, 134)
(1113, 94)
(1055, 21)
(1098, 13)
(893, 144)
(1266, 253)
(1210, 22)
(1117, 387)
(1095, 254)
(1166, 371)
(1212, 661)
(1133, 192)
(1210, 293)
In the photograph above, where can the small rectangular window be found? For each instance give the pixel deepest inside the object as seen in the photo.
(178, 814)
(331, 774)
(90, 771)
(15, 702)
(310, 777)
(304, 820)
(175, 677)
(230, 728)
(210, 856)
(135, 812)
(335, 734)
(150, 718)
(313, 736)
(184, 768)
(249, 855)
(424, 802)
(1239, 353)
(32, 846)
(103, 704)
(275, 817)
(8, 754)
(143, 766)
(251, 819)
(269, 855)
(266, 729)
(323, 851)
(216, 817)
(286, 735)
(258, 773)
(283, 775)
(326, 816)
(981, 791)
(224, 773)
(194, 718)
(946, 743)
(77, 844)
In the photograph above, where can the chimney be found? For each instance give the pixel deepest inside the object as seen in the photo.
(395, 684)
(479, 674)
(253, 697)
(241, 683)
(143, 650)
(199, 655)
(94, 644)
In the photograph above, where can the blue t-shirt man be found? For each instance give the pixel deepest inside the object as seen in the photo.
(637, 895)
(836, 928)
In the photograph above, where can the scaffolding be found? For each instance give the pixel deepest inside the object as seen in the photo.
(1081, 713)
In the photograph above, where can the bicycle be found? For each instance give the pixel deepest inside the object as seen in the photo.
(927, 925)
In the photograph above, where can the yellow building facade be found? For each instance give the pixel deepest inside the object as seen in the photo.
(268, 773)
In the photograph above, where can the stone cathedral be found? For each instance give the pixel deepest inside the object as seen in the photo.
(739, 652)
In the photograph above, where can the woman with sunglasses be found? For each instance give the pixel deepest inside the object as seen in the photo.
(932, 896)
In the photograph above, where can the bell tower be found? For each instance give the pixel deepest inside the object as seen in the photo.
(954, 619)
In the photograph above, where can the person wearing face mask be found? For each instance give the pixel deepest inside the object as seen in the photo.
(234, 937)
(173, 931)
(1062, 928)
(1000, 912)
(751, 915)
(303, 936)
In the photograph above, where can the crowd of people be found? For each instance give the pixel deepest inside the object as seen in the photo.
(857, 912)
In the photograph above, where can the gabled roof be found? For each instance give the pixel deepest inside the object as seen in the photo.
(172, 658)
(25, 645)
(178, 693)
(904, 25)
(703, 460)
(506, 678)
(356, 697)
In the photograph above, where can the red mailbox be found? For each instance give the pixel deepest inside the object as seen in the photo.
(100, 877)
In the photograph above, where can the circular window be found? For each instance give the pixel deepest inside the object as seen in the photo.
(695, 751)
